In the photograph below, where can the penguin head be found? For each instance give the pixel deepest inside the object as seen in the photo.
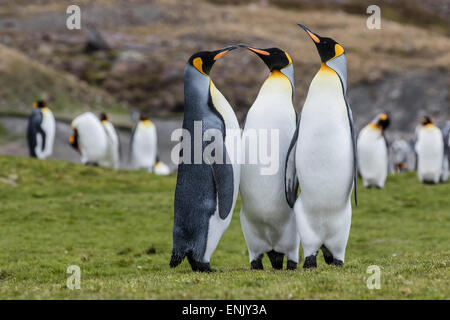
(204, 60)
(383, 121)
(103, 116)
(426, 120)
(274, 58)
(328, 48)
(143, 117)
(40, 104)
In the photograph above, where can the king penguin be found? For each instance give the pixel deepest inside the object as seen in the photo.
(429, 149)
(41, 131)
(112, 158)
(268, 222)
(206, 190)
(144, 144)
(89, 138)
(446, 161)
(373, 160)
(323, 157)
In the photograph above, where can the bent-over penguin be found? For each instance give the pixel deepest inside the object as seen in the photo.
(89, 138)
(268, 222)
(207, 188)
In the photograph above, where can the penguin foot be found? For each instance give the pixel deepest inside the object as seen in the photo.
(276, 259)
(199, 266)
(327, 255)
(310, 262)
(257, 263)
(291, 265)
(337, 263)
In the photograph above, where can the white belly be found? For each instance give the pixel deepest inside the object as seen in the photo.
(144, 148)
(372, 156)
(430, 153)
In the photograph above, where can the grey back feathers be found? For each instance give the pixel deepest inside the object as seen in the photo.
(34, 128)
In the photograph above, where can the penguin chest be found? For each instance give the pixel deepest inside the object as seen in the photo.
(372, 153)
(430, 149)
(324, 153)
(144, 144)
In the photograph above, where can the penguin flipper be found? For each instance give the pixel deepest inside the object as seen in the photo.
(355, 163)
(34, 128)
(291, 183)
(223, 181)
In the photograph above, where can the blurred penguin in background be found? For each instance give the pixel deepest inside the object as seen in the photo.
(429, 149)
(401, 156)
(41, 131)
(144, 144)
(446, 160)
(160, 168)
(373, 159)
(89, 139)
(112, 158)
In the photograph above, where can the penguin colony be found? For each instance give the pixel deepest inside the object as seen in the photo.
(317, 152)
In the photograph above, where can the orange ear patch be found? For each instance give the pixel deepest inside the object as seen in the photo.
(264, 53)
(313, 36)
(220, 55)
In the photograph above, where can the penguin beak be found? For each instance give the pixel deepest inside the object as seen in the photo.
(255, 50)
(220, 53)
(311, 34)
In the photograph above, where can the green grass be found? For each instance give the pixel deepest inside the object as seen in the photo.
(117, 226)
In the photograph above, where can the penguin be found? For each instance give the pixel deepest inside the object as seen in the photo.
(429, 149)
(112, 158)
(160, 168)
(402, 156)
(144, 144)
(373, 162)
(41, 131)
(322, 156)
(267, 220)
(90, 139)
(206, 190)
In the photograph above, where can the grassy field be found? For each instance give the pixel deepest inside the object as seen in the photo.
(117, 226)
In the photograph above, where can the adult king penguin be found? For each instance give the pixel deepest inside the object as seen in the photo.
(373, 161)
(268, 222)
(323, 157)
(112, 158)
(89, 138)
(429, 149)
(206, 190)
(144, 144)
(41, 131)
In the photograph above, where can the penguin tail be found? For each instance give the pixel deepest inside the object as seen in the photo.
(177, 258)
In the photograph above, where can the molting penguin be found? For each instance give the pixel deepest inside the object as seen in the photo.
(429, 150)
(323, 157)
(206, 189)
(112, 158)
(89, 138)
(401, 156)
(268, 222)
(144, 144)
(41, 131)
(373, 152)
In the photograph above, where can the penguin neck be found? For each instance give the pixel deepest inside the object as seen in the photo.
(277, 84)
(196, 92)
(326, 80)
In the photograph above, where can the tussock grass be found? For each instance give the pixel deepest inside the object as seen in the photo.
(117, 226)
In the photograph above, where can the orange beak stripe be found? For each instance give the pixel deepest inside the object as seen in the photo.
(264, 53)
(313, 36)
(219, 55)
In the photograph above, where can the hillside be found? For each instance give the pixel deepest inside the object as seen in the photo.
(150, 42)
(117, 227)
(24, 81)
